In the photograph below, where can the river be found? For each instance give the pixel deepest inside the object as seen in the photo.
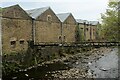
(97, 63)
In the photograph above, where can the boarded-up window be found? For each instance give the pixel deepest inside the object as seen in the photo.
(13, 44)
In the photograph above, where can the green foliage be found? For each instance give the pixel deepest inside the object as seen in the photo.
(109, 26)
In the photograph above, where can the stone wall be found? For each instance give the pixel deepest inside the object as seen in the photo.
(15, 34)
(47, 32)
(69, 32)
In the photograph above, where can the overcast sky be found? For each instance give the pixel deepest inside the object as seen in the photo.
(81, 9)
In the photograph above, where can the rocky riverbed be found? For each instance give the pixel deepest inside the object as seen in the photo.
(97, 63)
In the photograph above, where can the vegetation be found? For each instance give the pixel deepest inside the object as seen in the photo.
(110, 26)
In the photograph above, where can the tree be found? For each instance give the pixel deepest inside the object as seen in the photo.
(110, 22)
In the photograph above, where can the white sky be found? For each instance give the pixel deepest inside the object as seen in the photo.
(81, 9)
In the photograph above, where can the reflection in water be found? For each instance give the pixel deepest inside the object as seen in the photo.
(44, 71)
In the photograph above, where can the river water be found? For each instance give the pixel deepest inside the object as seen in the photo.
(107, 66)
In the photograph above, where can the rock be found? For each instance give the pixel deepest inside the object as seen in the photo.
(25, 70)
(103, 69)
(14, 78)
(26, 75)
(45, 74)
(76, 63)
(77, 71)
(89, 63)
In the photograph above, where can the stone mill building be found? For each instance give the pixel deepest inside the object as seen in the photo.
(41, 25)
(16, 29)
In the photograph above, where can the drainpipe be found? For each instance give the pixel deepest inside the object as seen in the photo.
(84, 31)
(33, 31)
(0, 36)
(61, 32)
(90, 32)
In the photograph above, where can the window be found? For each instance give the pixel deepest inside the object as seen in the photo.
(64, 37)
(13, 44)
(22, 41)
(60, 37)
(87, 29)
(49, 18)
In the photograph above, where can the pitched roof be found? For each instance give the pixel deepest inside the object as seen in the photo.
(34, 13)
(63, 16)
(94, 22)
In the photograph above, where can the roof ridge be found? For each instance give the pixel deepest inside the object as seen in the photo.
(38, 8)
(63, 13)
(34, 13)
(11, 6)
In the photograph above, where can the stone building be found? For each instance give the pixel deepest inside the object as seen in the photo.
(87, 29)
(68, 27)
(84, 29)
(47, 26)
(16, 29)
(94, 29)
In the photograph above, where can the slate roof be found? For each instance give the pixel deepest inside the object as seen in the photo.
(34, 13)
(94, 22)
(63, 16)
(80, 21)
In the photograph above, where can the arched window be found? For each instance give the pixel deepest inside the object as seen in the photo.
(49, 18)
